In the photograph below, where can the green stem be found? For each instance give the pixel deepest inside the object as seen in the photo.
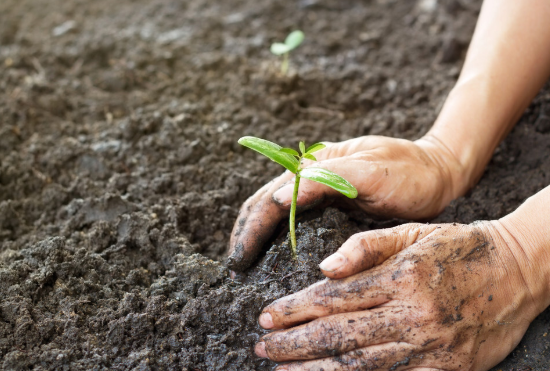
(293, 217)
(284, 65)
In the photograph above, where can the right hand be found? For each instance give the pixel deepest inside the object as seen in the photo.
(415, 297)
(394, 178)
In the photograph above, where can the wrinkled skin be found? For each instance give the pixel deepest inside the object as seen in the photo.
(394, 177)
(453, 297)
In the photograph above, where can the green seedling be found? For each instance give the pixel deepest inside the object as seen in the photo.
(292, 41)
(292, 161)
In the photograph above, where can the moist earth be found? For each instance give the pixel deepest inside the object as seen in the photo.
(121, 178)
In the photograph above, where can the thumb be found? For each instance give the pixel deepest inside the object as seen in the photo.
(367, 249)
(312, 193)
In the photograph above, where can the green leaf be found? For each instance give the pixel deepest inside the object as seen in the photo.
(309, 156)
(272, 151)
(315, 147)
(279, 48)
(290, 151)
(302, 147)
(330, 179)
(294, 39)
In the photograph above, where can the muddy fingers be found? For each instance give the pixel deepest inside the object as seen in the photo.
(314, 193)
(455, 297)
(393, 177)
(363, 291)
(257, 220)
(390, 356)
(338, 334)
(365, 250)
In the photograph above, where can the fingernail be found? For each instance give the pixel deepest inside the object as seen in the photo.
(259, 349)
(232, 274)
(282, 368)
(266, 321)
(284, 194)
(333, 262)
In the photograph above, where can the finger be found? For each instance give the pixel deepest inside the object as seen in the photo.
(365, 250)
(255, 223)
(359, 292)
(338, 334)
(355, 145)
(390, 356)
(354, 169)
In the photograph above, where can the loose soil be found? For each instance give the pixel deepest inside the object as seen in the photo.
(121, 178)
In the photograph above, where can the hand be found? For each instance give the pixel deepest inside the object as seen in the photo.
(394, 177)
(455, 297)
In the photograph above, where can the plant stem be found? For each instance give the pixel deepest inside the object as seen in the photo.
(292, 217)
(284, 65)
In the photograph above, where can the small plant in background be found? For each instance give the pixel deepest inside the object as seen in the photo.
(292, 160)
(292, 41)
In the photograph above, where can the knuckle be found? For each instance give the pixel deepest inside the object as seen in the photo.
(321, 297)
(405, 266)
(362, 239)
(368, 248)
(280, 307)
(409, 267)
(355, 239)
(328, 335)
(410, 233)
(366, 241)
(432, 313)
(359, 242)
(275, 346)
(415, 228)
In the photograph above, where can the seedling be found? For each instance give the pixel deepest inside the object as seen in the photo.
(292, 160)
(292, 41)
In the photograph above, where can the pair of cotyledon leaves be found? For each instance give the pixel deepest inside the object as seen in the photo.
(293, 39)
(290, 159)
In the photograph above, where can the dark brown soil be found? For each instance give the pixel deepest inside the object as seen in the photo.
(120, 175)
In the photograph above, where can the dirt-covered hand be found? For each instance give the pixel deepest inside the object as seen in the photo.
(394, 177)
(454, 297)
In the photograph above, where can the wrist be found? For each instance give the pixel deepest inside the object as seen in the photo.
(526, 231)
(470, 127)
(455, 173)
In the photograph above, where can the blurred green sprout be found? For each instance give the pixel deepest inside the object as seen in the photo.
(292, 161)
(292, 41)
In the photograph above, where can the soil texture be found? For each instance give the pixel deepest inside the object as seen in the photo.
(121, 176)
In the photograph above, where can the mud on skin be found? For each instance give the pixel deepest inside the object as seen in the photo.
(405, 313)
(119, 163)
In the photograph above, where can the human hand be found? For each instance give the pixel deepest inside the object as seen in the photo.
(454, 297)
(394, 177)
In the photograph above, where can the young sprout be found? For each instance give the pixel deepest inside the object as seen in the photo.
(292, 41)
(292, 160)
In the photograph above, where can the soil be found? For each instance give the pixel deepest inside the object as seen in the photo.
(121, 176)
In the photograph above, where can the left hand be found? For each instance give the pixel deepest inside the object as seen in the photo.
(393, 177)
(455, 297)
